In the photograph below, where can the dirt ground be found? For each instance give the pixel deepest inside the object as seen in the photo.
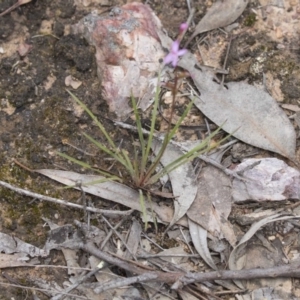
(37, 117)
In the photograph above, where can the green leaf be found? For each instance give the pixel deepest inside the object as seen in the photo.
(87, 166)
(94, 118)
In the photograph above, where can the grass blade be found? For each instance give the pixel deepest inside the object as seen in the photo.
(117, 156)
(87, 166)
(165, 143)
(143, 209)
(140, 133)
(128, 165)
(190, 155)
(153, 120)
(93, 117)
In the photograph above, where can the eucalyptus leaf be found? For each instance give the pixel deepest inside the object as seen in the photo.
(212, 204)
(232, 262)
(182, 179)
(250, 114)
(220, 14)
(110, 190)
(199, 237)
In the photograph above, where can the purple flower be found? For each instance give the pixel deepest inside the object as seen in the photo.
(174, 54)
(183, 27)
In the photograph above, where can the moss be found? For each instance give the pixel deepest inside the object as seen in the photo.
(95, 222)
(31, 217)
(13, 174)
(54, 114)
(278, 65)
(250, 20)
(23, 216)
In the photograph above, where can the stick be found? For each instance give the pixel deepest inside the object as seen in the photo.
(76, 284)
(290, 270)
(109, 213)
(124, 282)
(16, 5)
(179, 279)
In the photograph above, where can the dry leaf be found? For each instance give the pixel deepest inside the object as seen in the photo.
(13, 260)
(250, 114)
(156, 291)
(255, 216)
(221, 13)
(186, 295)
(183, 180)
(133, 240)
(257, 255)
(9, 244)
(112, 191)
(70, 255)
(271, 293)
(237, 259)
(103, 277)
(168, 255)
(199, 237)
(214, 193)
(232, 262)
(270, 180)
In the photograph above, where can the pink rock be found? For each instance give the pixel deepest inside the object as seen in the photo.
(270, 180)
(128, 53)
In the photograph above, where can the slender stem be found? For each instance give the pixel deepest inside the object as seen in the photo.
(167, 138)
(174, 93)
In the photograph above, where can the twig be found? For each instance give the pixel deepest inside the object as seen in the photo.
(108, 213)
(136, 263)
(225, 61)
(118, 235)
(116, 283)
(82, 199)
(16, 5)
(153, 242)
(189, 6)
(46, 291)
(126, 265)
(14, 281)
(168, 255)
(76, 284)
(230, 292)
(290, 270)
(158, 291)
(57, 267)
(22, 166)
(200, 289)
(108, 236)
(188, 22)
(179, 279)
(66, 142)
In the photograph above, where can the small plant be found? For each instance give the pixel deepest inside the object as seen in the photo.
(141, 169)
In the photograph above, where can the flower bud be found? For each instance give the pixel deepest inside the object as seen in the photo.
(183, 27)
